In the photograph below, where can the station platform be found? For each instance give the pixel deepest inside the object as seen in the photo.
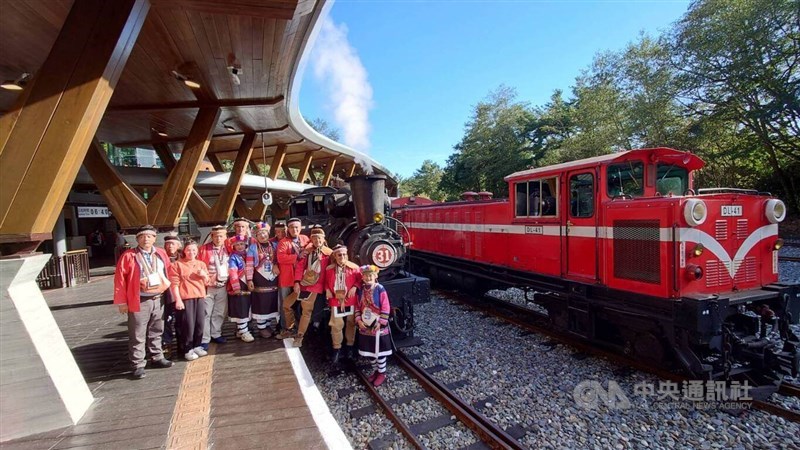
(242, 395)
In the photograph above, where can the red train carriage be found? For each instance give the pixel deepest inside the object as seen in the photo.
(621, 250)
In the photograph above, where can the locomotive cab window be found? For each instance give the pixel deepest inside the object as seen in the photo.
(581, 197)
(625, 179)
(671, 180)
(537, 198)
(299, 208)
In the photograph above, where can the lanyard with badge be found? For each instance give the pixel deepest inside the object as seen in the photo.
(222, 267)
(265, 261)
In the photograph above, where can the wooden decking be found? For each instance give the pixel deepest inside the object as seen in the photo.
(240, 396)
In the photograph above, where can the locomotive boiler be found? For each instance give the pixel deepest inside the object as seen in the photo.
(622, 251)
(356, 216)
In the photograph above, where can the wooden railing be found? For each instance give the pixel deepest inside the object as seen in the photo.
(73, 271)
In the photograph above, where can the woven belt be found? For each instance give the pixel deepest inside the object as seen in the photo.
(264, 289)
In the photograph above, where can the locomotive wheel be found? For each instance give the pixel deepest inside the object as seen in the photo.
(649, 347)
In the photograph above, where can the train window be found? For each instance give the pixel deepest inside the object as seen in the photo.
(537, 198)
(521, 199)
(672, 180)
(626, 179)
(318, 206)
(581, 197)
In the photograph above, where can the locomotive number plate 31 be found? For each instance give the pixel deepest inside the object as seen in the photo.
(731, 210)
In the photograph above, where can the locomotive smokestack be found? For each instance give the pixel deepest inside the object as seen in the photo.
(368, 196)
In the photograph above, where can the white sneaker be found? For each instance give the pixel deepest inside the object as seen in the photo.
(246, 337)
(190, 355)
(200, 351)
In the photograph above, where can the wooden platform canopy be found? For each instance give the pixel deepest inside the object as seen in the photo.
(202, 79)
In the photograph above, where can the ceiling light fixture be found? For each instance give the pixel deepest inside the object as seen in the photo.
(18, 84)
(228, 126)
(186, 80)
(160, 133)
(235, 71)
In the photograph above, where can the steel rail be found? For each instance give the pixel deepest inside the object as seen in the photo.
(585, 347)
(491, 434)
(387, 409)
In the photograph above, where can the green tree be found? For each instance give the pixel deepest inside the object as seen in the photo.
(425, 181)
(324, 128)
(496, 143)
(740, 62)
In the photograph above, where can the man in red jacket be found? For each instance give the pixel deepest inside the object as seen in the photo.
(342, 279)
(309, 282)
(139, 284)
(289, 248)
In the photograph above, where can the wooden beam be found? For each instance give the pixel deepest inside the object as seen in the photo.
(277, 162)
(352, 170)
(166, 207)
(157, 140)
(224, 205)
(128, 207)
(43, 149)
(287, 173)
(254, 167)
(215, 162)
(274, 9)
(266, 146)
(327, 180)
(305, 166)
(254, 213)
(199, 208)
(224, 103)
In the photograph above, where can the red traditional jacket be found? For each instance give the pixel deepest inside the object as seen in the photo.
(352, 277)
(302, 265)
(128, 274)
(287, 258)
(206, 254)
(377, 300)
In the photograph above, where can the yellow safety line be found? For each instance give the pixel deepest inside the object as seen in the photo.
(191, 417)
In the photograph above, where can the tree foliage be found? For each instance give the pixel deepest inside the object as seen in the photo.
(425, 181)
(724, 82)
(324, 128)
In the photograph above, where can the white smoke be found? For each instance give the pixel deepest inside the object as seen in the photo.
(339, 70)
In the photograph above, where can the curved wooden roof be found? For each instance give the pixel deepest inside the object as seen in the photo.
(199, 39)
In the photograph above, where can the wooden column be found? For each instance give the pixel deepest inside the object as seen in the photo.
(224, 206)
(352, 170)
(166, 207)
(127, 205)
(277, 162)
(254, 212)
(327, 180)
(304, 167)
(45, 140)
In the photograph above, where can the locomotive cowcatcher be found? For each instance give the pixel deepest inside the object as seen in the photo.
(355, 216)
(623, 252)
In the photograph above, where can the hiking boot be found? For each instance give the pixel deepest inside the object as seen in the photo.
(162, 363)
(266, 333)
(335, 356)
(285, 334)
(138, 374)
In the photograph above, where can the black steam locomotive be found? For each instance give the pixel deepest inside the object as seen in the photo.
(356, 216)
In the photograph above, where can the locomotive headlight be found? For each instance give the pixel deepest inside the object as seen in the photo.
(694, 272)
(698, 249)
(695, 212)
(778, 244)
(377, 217)
(775, 211)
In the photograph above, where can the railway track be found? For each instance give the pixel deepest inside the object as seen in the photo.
(490, 435)
(537, 322)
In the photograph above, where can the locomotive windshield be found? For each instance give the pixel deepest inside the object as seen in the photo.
(672, 179)
(626, 179)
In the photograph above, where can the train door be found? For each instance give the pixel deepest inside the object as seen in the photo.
(581, 225)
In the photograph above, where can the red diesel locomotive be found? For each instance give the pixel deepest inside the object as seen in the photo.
(622, 251)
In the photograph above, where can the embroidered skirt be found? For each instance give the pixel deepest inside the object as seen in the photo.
(367, 345)
(264, 298)
(238, 306)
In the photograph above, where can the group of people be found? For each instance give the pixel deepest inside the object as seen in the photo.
(245, 278)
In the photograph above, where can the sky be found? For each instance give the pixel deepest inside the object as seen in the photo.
(400, 78)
